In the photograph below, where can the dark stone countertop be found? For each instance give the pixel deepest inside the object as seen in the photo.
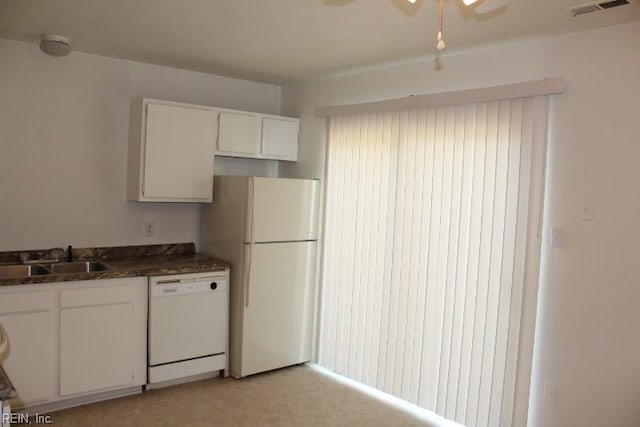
(125, 261)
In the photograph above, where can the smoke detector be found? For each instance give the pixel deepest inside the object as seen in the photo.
(55, 45)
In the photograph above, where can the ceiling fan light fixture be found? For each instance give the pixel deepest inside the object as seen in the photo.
(484, 7)
(440, 44)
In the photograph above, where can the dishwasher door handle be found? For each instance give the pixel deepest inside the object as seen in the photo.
(166, 282)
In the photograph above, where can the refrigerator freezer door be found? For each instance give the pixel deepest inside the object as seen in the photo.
(283, 210)
(278, 311)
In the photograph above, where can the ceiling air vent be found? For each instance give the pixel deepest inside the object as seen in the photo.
(595, 7)
(614, 3)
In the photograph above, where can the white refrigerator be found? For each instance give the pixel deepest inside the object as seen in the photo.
(268, 229)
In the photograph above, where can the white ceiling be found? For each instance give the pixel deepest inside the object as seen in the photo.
(282, 41)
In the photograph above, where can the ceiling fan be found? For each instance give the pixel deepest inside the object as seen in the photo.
(479, 6)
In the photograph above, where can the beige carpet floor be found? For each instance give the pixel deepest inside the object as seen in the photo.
(297, 396)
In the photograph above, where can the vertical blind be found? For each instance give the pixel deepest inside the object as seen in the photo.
(429, 223)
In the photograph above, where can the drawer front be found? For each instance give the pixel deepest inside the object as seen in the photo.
(112, 294)
(24, 302)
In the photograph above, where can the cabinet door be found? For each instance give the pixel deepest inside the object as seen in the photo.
(280, 138)
(179, 152)
(238, 134)
(97, 348)
(29, 362)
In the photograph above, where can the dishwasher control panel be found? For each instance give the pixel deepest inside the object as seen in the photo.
(191, 285)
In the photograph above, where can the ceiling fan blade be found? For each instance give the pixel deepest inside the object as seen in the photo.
(490, 5)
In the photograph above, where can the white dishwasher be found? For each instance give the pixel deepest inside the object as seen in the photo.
(188, 325)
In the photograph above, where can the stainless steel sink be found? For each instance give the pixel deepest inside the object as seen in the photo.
(78, 267)
(13, 271)
(28, 270)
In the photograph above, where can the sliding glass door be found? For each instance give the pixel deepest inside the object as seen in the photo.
(431, 247)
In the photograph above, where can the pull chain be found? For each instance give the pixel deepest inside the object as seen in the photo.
(440, 40)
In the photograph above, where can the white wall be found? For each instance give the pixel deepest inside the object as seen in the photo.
(587, 336)
(63, 146)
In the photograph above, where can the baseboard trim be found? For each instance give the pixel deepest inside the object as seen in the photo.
(79, 401)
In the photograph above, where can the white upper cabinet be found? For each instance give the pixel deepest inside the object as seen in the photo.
(258, 136)
(172, 147)
(238, 133)
(280, 138)
(171, 152)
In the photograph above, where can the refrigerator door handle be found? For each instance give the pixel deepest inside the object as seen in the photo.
(250, 209)
(247, 272)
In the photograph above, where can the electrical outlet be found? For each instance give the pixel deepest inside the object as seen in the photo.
(587, 210)
(149, 228)
(550, 392)
(557, 237)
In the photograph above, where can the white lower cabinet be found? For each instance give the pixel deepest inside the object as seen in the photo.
(75, 339)
(30, 361)
(97, 348)
(102, 336)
